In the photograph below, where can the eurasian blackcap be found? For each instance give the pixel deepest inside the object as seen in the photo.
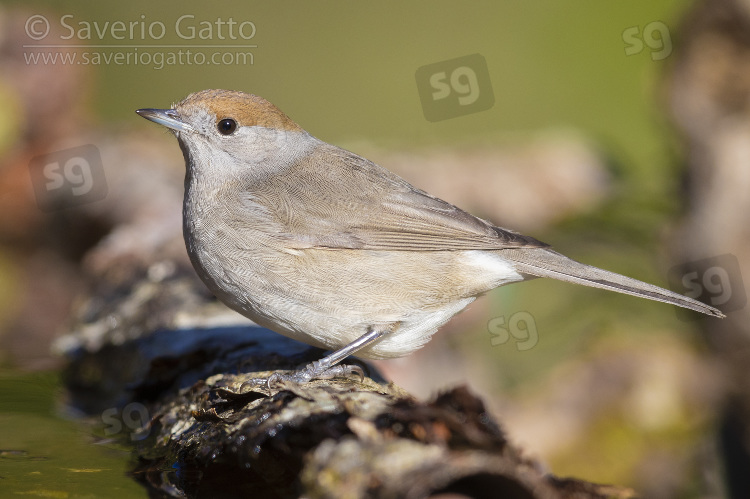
(326, 247)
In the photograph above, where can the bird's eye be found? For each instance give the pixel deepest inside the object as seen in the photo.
(227, 126)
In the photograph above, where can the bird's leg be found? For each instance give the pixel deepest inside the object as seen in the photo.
(327, 367)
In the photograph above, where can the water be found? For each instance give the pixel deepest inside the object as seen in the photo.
(44, 453)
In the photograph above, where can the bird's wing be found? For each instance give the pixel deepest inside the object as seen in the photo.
(415, 220)
(346, 201)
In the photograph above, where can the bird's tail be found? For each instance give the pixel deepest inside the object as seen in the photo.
(543, 262)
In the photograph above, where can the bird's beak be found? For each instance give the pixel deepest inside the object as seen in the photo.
(167, 117)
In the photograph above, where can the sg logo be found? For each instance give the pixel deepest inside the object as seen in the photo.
(716, 281)
(521, 326)
(68, 178)
(455, 87)
(661, 45)
(134, 415)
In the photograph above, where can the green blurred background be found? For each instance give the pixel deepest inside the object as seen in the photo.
(346, 72)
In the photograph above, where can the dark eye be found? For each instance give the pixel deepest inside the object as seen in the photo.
(227, 126)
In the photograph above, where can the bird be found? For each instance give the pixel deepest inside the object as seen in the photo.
(326, 247)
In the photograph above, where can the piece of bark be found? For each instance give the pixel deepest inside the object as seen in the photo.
(338, 439)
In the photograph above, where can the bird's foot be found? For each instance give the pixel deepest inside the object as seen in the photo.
(314, 370)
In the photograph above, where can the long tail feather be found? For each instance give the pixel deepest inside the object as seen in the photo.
(543, 262)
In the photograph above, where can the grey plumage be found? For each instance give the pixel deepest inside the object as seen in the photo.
(327, 247)
(542, 262)
(352, 203)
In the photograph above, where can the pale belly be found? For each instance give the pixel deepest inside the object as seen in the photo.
(329, 298)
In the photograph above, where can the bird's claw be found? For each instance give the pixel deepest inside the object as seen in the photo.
(314, 370)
